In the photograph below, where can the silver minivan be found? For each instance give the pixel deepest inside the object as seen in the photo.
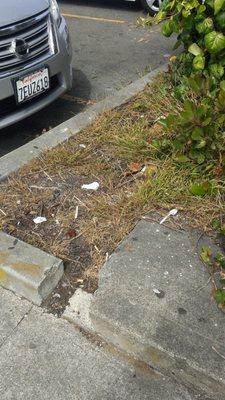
(35, 57)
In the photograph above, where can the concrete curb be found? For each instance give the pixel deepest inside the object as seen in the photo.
(27, 270)
(12, 161)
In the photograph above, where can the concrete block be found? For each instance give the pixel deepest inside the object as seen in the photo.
(26, 270)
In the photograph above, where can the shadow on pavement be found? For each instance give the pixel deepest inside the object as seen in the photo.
(109, 4)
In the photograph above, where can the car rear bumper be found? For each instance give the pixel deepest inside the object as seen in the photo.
(60, 72)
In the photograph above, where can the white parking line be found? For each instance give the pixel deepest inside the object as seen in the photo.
(113, 21)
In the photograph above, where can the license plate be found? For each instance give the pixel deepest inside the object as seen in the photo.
(32, 85)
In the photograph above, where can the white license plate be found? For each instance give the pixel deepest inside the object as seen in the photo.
(32, 85)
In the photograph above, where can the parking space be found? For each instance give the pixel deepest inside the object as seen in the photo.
(109, 52)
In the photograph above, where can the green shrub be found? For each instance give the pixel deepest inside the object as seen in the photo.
(199, 127)
(200, 26)
(198, 76)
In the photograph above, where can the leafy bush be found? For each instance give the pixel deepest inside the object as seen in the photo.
(199, 79)
(200, 25)
(199, 127)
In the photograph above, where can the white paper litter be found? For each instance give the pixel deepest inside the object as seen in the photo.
(56, 295)
(82, 146)
(157, 291)
(91, 186)
(172, 212)
(76, 212)
(39, 220)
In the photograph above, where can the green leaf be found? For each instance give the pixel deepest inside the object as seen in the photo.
(219, 296)
(205, 26)
(216, 70)
(197, 190)
(216, 224)
(182, 159)
(201, 144)
(201, 159)
(214, 42)
(206, 254)
(160, 16)
(195, 49)
(167, 28)
(199, 63)
(218, 4)
(222, 85)
(197, 134)
(206, 121)
(220, 19)
(220, 259)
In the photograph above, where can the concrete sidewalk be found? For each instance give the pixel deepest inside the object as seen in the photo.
(155, 332)
(42, 357)
(154, 301)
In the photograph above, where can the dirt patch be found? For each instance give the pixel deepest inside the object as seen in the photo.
(83, 227)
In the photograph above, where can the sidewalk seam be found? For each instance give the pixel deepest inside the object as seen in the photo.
(15, 327)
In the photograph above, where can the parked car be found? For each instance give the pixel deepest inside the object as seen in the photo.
(35, 57)
(151, 6)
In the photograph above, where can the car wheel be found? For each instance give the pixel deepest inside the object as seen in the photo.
(151, 6)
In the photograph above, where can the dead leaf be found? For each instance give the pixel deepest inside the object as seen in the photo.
(71, 233)
(133, 168)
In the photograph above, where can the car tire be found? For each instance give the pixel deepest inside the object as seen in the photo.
(151, 6)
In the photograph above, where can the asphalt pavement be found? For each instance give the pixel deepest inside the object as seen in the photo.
(109, 52)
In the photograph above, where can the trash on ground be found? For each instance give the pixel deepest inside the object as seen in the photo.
(82, 146)
(39, 220)
(159, 293)
(172, 212)
(91, 186)
(76, 212)
(57, 295)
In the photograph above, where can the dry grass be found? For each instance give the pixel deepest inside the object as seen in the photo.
(118, 145)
